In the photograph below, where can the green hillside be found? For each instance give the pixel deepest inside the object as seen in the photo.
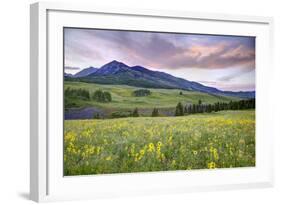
(122, 97)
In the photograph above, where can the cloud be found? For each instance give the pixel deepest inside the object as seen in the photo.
(221, 59)
(220, 56)
(230, 86)
(71, 68)
(234, 75)
(162, 50)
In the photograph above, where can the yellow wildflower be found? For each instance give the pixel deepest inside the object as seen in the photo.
(211, 165)
(158, 149)
(151, 147)
(108, 158)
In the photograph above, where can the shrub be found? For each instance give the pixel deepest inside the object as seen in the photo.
(121, 114)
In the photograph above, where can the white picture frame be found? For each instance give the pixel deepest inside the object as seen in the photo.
(47, 182)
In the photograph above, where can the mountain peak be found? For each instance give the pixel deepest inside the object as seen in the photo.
(115, 62)
(112, 67)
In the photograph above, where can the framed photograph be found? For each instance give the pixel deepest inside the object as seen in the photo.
(128, 102)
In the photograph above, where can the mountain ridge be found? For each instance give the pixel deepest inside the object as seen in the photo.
(116, 72)
(85, 72)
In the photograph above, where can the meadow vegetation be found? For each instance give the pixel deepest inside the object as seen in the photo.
(141, 130)
(125, 97)
(223, 139)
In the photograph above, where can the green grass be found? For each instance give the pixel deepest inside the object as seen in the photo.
(122, 97)
(201, 141)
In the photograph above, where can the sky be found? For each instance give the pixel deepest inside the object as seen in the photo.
(223, 62)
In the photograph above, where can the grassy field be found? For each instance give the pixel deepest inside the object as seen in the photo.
(122, 97)
(200, 141)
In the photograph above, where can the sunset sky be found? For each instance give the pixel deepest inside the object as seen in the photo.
(224, 62)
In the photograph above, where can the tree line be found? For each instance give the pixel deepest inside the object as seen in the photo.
(98, 95)
(102, 96)
(77, 93)
(141, 92)
(219, 106)
(202, 108)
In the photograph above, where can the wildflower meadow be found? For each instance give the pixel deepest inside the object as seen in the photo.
(224, 139)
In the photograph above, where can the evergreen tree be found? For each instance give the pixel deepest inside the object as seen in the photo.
(179, 110)
(216, 107)
(97, 116)
(135, 113)
(155, 113)
(185, 110)
(209, 108)
(189, 109)
(193, 109)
